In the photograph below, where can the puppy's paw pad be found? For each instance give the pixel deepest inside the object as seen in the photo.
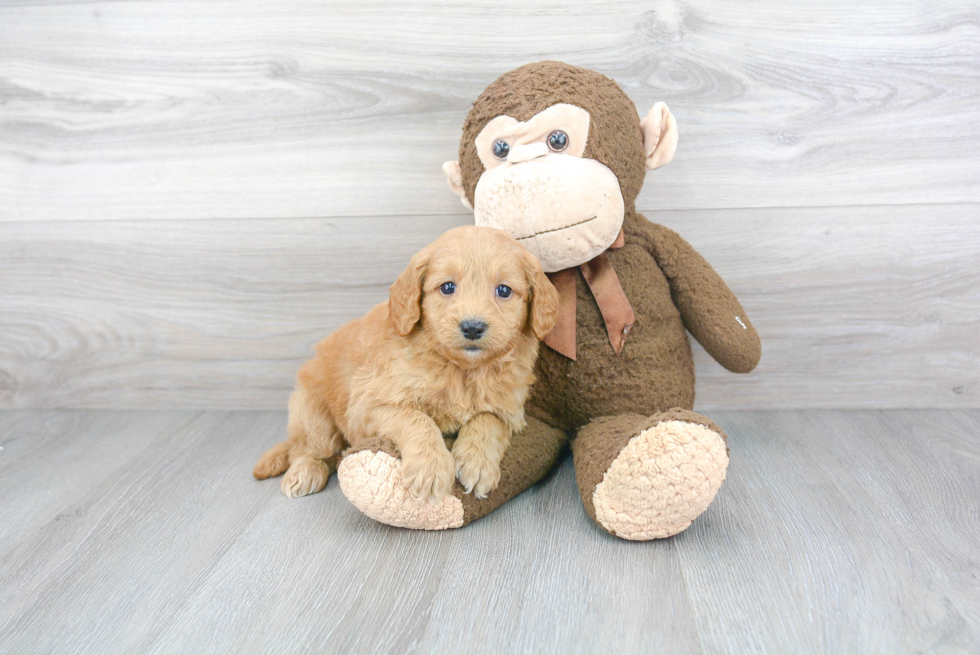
(429, 474)
(304, 478)
(477, 470)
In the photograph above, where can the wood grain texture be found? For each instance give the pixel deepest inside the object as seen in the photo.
(834, 532)
(47, 462)
(121, 558)
(857, 307)
(229, 109)
(555, 591)
(813, 508)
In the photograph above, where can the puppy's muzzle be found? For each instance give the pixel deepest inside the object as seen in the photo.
(472, 330)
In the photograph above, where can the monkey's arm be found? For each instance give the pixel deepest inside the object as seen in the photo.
(710, 310)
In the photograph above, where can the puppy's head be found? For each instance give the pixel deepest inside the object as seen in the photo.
(476, 292)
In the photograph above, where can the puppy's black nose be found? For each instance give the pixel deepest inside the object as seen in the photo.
(472, 329)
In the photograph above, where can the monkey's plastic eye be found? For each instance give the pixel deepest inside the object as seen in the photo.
(447, 288)
(557, 140)
(500, 149)
(504, 291)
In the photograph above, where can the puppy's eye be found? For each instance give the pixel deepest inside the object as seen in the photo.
(557, 140)
(447, 288)
(500, 149)
(504, 291)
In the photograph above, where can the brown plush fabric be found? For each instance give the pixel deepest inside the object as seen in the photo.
(382, 445)
(669, 285)
(671, 288)
(529, 457)
(709, 309)
(653, 372)
(597, 444)
(375, 445)
(525, 91)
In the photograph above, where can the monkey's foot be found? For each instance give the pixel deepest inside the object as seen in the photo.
(649, 478)
(371, 478)
(372, 481)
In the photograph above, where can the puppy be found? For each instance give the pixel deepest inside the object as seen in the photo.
(450, 352)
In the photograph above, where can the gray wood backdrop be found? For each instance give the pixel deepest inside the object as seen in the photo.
(193, 193)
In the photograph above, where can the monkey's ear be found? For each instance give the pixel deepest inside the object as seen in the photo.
(455, 178)
(659, 136)
(543, 312)
(405, 295)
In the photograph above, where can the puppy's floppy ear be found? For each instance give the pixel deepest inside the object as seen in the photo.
(543, 310)
(405, 299)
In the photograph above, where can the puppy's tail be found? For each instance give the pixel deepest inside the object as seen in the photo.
(274, 462)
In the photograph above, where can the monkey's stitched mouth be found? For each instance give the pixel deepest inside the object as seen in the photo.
(557, 229)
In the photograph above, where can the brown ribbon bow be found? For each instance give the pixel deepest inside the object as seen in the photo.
(608, 293)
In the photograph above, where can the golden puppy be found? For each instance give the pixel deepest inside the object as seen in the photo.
(451, 351)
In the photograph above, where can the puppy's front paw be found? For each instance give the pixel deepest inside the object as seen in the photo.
(429, 473)
(305, 476)
(478, 468)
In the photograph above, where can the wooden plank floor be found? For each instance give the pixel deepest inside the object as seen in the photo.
(836, 532)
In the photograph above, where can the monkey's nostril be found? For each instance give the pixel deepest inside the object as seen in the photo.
(472, 329)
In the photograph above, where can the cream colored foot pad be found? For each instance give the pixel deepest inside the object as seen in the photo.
(372, 482)
(661, 481)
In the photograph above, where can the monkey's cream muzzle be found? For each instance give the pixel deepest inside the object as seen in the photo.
(564, 209)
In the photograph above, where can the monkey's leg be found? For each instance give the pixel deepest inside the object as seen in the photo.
(647, 478)
(371, 479)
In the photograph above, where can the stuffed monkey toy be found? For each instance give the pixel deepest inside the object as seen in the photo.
(555, 155)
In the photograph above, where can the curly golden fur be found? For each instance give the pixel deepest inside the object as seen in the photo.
(408, 372)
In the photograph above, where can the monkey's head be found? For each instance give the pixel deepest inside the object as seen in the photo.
(555, 155)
